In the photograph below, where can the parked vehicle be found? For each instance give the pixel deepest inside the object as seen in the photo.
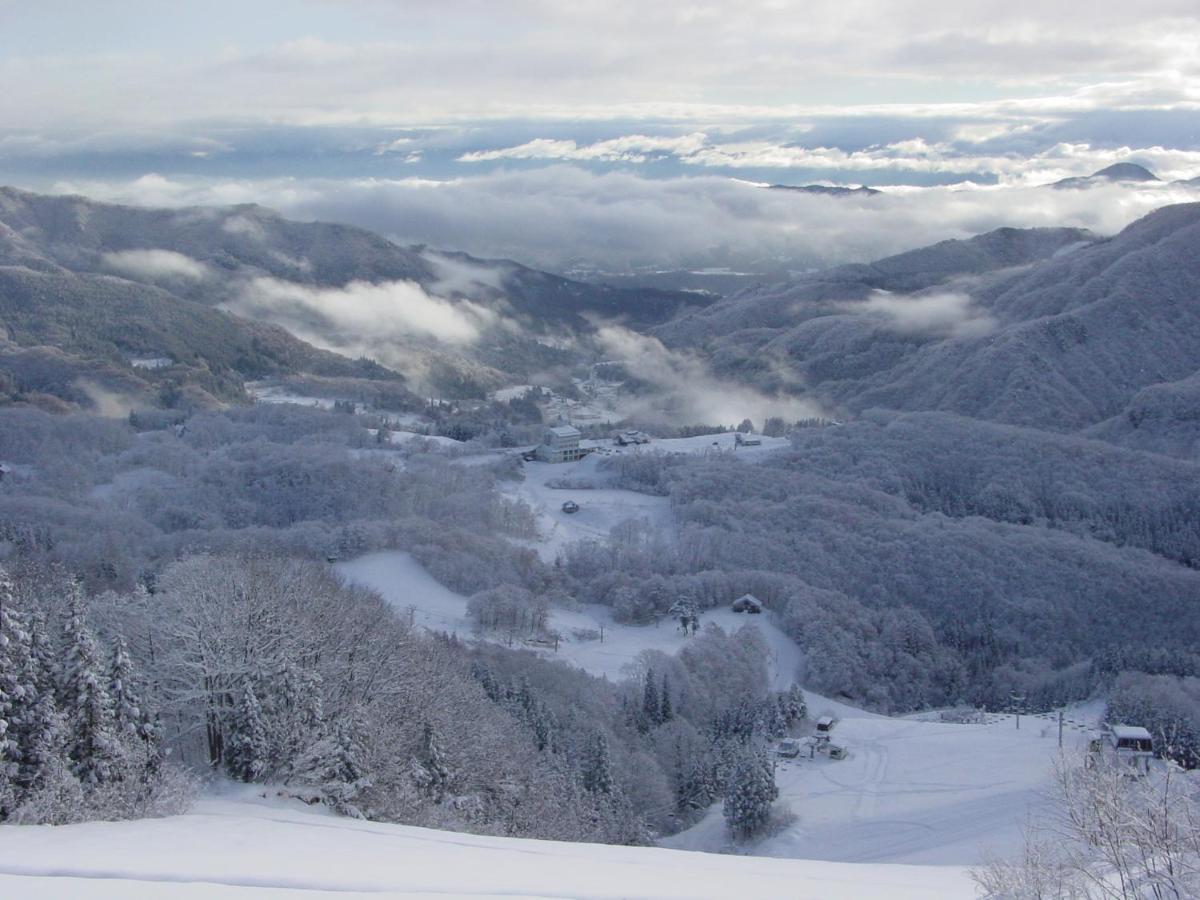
(570, 507)
(825, 726)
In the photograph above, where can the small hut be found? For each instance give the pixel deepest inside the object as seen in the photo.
(747, 603)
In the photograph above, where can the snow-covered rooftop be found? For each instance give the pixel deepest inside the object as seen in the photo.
(1135, 732)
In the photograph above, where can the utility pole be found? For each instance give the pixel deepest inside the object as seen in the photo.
(1016, 704)
(1060, 728)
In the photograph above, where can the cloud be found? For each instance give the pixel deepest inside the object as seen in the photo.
(380, 320)
(405, 63)
(942, 314)
(457, 276)
(631, 148)
(566, 219)
(915, 154)
(155, 265)
(685, 392)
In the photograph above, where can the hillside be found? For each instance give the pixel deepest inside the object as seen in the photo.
(448, 320)
(1052, 330)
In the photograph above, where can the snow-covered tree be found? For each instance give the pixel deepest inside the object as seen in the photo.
(93, 743)
(597, 765)
(749, 792)
(666, 710)
(430, 770)
(15, 692)
(334, 766)
(248, 752)
(127, 706)
(651, 708)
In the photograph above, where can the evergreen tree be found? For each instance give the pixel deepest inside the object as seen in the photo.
(651, 711)
(248, 755)
(93, 744)
(666, 711)
(312, 705)
(750, 790)
(597, 766)
(334, 765)
(42, 728)
(695, 790)
(127, 707)
(432, 774)
(795, 707)
(14, 693)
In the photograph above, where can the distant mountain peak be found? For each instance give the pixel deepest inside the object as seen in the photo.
(835, 190)
(1124, 171)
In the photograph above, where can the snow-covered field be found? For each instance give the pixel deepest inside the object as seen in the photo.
(406, 585)
(911, 791)
(232, 848)
(602, 507)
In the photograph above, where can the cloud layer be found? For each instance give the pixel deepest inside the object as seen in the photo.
(941, 314)
(685, 390)
(566, 218)
(155, 265)
(382, 321)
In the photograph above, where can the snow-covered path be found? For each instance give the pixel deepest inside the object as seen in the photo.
(232, 849)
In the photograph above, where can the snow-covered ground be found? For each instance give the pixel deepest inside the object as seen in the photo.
(406, 585)
(233, 848)
(411, 590)
(602, 507)
(911, 791)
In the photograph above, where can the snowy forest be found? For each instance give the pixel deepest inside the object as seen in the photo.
(205, 630)
(170, 648)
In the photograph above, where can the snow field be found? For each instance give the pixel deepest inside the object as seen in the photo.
(228, 849)
(412, 591)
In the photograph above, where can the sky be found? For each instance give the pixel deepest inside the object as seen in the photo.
(533, 129)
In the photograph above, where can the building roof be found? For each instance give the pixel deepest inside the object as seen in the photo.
(1130, 731)
(565, 431)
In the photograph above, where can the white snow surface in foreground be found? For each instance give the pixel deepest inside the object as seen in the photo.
(228, 849)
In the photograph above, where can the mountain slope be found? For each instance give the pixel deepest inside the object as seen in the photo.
(1063, 338)
(456, 324)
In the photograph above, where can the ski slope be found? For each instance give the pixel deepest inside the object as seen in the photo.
(911, 791)
(246, 849)
(413, 592)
